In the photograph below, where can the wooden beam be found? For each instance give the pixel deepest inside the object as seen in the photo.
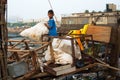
(13, 50)
(3, 39)
(18, 43)
(28, 41)
(114, 55)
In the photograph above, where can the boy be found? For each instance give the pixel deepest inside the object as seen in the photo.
(51, 24)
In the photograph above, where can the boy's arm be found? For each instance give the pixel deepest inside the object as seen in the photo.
(47, 25)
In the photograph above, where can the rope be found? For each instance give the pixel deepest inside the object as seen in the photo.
(53, 10)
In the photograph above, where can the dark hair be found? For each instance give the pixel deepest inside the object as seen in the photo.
(51, 11)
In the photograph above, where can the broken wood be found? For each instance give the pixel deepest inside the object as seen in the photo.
(52, 52)
(17, 43)
(27, 76)
(104, 64)
(39, 75)
(12, 50)
(28, 41)
(108, 66)
(45, 45)
(11, 40)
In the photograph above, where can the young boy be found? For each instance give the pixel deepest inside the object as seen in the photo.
(51, 24)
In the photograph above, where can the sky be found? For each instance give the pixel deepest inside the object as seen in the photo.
(34, 9)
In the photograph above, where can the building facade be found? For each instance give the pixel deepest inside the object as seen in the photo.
(102, 18)
(110, 7)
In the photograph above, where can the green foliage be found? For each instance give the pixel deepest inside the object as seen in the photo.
(93, 11)
(118, 10)
(20, 24)
(99, 11)
(31, 24)
(86, 11)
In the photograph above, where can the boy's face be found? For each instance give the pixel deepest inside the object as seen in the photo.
(50, 15)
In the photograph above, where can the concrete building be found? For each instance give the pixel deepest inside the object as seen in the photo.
(77, 20)
(110, 7)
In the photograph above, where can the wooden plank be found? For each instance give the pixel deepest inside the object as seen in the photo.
(62, 67)
(59, 72)
(100, 33)
(65, 71)
(73, 72)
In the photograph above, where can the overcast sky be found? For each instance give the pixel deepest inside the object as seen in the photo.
(34, 9)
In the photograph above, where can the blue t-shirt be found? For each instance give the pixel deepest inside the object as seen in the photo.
(52, 30)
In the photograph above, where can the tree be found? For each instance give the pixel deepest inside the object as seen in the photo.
(99, 11)
(21, 24)
(118, 10)
(86, 11)
(93, 11)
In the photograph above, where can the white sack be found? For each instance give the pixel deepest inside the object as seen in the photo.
(56, 43)
(35, 32)
(62, 51)
(65, 45)
(60, 57)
